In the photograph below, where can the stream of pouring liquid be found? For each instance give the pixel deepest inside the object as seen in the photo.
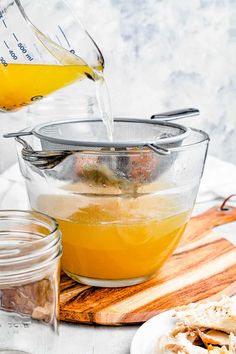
(104, 103)
(96, 74)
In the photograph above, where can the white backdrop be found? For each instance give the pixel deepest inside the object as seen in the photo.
(167, 54)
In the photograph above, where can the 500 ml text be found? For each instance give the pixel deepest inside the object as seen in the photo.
(24, 51)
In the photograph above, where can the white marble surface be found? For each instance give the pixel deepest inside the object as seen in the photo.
(217, 183)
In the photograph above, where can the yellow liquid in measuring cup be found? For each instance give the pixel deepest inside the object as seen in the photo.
(103, 242)
(22, 84)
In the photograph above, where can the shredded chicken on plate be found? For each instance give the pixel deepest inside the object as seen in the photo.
(202, 328)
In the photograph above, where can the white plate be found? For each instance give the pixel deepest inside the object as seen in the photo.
(146, 337)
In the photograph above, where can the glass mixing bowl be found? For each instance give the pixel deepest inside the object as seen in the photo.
(122, 211)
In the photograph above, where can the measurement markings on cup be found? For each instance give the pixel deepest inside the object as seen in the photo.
(3, 21)
(23, 48)
(15, 37)
(6, 44)
(3, 62)
(63, 33)
(66, 39)
(12, 53)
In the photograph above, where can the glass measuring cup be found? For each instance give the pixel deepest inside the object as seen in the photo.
(43, 48)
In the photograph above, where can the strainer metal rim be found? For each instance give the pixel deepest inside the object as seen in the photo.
(162, 141)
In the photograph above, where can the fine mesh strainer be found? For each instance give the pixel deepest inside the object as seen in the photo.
(62, 138)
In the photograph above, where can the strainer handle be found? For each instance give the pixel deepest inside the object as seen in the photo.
(177, 114)
(17, 135)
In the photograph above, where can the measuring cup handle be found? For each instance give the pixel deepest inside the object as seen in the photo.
(177, 114)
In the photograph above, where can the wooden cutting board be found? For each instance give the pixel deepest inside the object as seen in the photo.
(203, 266)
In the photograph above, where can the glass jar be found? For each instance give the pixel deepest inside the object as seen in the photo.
(122, 212)
(30, 251)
